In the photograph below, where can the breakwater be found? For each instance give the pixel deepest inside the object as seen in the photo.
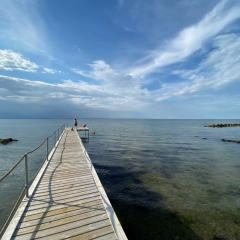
(222, 125)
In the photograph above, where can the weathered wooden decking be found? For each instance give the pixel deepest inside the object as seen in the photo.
(68, 202)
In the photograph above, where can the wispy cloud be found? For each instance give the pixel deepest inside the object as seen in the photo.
(50, 70)
(22, 25)
(100, 70)
(186, 43)
(189, 40)
(105, 73)
(10, 60)
(219, 68)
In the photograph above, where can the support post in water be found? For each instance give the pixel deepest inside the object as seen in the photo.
(26, 175)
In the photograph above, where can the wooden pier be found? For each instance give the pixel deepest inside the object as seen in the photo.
(67, 199)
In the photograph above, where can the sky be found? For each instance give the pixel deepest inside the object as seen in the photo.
(120, 59)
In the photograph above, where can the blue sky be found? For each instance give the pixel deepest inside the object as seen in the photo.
(120, 58)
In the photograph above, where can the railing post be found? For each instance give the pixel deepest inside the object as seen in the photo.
(55, 137)
(58, 133)
(47, 148)
(26, 175)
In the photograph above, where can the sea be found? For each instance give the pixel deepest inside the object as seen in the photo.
(166, 179)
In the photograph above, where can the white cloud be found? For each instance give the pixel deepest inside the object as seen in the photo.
(100, 70)
(130, 82)
(211, 73)
(108, 76)
(115, 90)
(10, 61)
(82, 73)
(50, 70)
(189, 40)
(219, 68)
(88, 95)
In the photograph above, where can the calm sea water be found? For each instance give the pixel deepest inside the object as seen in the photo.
(166, 179)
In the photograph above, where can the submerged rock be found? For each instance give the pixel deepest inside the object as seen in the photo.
(219, 238)
(222, 125)
(229, 140)
(7, 140)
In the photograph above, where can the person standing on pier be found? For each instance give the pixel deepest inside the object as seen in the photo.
(75, 122)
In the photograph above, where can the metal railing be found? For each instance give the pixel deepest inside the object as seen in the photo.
(48, 143)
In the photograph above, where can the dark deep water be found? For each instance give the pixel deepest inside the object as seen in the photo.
(166, 179)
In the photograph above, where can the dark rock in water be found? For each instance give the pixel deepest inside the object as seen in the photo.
(7, 140)
(219, 238)
(204, 138)
(229, 140)
(222, 125)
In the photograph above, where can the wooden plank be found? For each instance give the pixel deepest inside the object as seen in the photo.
(104, 233)
(29, 216)
(73, 184)
(64, 191)
(56, 198)
(68, 229)
(106, 236)
(68, 192)
(72, 212)
(78, 203)
(72, 188)
(65, 181)
(72, 219)
(64, 202)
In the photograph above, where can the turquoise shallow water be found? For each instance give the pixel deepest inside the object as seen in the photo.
(166, 179)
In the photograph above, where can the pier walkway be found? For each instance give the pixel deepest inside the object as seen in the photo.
(67, 199)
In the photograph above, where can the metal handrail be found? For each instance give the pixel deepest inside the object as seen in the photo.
(14, 166)
(37, 147)
(25, 157)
